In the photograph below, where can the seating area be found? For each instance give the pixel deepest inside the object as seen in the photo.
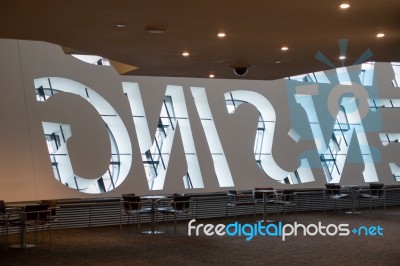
(23, 217)
(107, 245)
(34, 221)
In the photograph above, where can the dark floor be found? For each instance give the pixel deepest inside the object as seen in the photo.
(110, 246)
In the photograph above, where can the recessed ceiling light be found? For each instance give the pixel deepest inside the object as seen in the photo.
(186, 54)
(342, 57)
(156, 29)
(344, 6)
(380, 35)
(211, 76)
(221, 35)
(285, 48)
(121, 25)
(278, 61)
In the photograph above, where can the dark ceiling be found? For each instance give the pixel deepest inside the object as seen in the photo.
(255, 32)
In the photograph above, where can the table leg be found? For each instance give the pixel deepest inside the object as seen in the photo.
(22, 239)
(265, 202)
(153, 230)
(153, 216)
(353, 202)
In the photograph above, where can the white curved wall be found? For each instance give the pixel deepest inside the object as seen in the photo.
(26, 172)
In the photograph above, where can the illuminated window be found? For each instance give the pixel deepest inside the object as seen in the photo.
(92, 59)
(396, 69)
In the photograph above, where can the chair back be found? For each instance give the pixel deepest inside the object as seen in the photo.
(52, 204)
(260, 195)
(177, 195)
(332, 189)
(288, 195)
(37, 212)
(131, 202)
(231, 194)
(2, 207)
(181, 203)
(376, 189)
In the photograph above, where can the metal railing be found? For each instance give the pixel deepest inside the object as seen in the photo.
(106, 211)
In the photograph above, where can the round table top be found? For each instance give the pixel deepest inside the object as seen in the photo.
(265, 190)
(154, 197)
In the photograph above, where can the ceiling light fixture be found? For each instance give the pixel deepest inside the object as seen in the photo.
(278, 61)
(120, 25)
(342, 57)
(380, 35)
(211, 76)
(156, 29)
(285, 48)
(221, 35)
(344, 6)
(185, 54)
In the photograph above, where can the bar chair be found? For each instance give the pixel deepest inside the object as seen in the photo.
(335, 193)
(133, 206)
(36, 216)
(288, 200)
(4, 222)
(55, 214)
(235, 200)
(374, 193)
(179, 205)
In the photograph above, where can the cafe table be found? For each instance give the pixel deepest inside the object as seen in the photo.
(267, 194)
(353, 193)
(154, 199)
(20, 209)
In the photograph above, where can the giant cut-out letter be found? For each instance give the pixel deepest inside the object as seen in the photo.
(156, 153)
(221, 166)
(264, 138)
(58, 134)
(333, 146)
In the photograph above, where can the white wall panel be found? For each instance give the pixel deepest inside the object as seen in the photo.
(26, 173)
